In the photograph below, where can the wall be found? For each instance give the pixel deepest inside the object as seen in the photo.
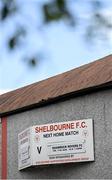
(97, 106)
(0, 146)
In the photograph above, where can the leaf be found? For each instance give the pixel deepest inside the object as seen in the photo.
(4, 12)
(12, 42)
(32, 62)
(61, 4)
(15, 39)
(7, 9)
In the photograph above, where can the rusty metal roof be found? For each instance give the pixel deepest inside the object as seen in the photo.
(88, 76)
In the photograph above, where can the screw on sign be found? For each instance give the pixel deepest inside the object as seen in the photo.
(85, 133)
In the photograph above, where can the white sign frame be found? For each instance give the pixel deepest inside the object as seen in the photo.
(62, 142)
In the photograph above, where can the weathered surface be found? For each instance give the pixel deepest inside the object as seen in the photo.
(97, 106)
(87, 76)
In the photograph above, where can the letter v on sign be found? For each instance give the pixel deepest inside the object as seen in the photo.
(39, 149)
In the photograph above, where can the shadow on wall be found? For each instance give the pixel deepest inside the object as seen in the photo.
(61, 171)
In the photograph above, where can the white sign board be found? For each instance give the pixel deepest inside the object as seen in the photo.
(24, 149)
(63, 142)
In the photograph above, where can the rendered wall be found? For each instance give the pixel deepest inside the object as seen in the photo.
(97, 106)
(0, 147)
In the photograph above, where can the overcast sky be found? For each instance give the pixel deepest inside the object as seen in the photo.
(64, 48)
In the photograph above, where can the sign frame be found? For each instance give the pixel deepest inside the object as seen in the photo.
(55, 143)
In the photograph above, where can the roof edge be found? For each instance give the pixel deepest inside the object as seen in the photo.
(64, 97)
(56, 75)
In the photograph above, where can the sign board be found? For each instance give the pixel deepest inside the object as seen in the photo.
(63, 142)
(24, 149)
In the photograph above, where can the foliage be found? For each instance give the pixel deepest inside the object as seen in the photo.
(53, 11)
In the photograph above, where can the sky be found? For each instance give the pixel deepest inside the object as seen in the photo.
(64, 49)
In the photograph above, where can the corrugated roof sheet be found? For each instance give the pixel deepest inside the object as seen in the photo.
(88, 76)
